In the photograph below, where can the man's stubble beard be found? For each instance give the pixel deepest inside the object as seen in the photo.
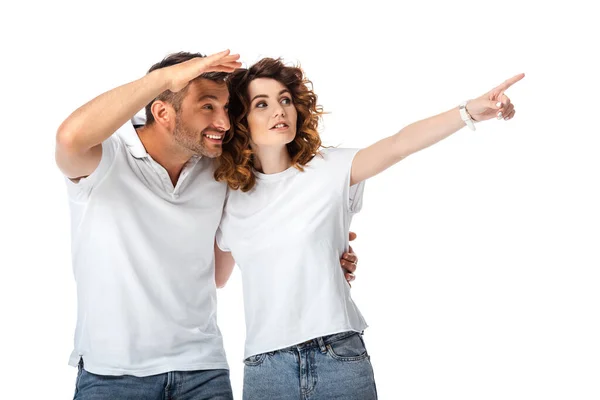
(194, 141)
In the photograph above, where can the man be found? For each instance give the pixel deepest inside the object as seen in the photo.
(145, 208)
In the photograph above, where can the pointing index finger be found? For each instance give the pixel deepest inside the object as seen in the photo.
(509, 82)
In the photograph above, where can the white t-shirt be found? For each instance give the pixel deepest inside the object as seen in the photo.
(143, 259)
(287, 235)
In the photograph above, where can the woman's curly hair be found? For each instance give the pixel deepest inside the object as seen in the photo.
(236, 162)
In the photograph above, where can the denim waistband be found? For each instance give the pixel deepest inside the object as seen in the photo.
(321, 341)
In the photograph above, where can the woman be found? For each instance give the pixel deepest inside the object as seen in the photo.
(286, 221)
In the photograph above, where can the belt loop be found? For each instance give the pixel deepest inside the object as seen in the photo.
(321, 343)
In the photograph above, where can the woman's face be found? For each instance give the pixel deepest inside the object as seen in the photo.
(272, 115)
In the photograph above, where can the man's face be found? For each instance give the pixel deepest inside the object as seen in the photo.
(202, 120)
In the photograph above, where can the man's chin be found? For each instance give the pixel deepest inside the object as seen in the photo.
(210, 150)
(211, 153)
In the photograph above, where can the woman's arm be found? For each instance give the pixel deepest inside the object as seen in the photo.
(419, 135)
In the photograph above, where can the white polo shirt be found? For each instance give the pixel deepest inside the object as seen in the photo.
(143, 260)
(287, 235)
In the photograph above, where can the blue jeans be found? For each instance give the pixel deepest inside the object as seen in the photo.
(180, 385)
(330, 367)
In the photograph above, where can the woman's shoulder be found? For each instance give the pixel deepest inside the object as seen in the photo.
(334, 154)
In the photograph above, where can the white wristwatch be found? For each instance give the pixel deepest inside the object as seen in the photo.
(464, 115)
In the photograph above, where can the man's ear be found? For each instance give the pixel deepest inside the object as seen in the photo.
(164, 114)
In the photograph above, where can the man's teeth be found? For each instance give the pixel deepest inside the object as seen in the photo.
(280, 126)
(216, 137)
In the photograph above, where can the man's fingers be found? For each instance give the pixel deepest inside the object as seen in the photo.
(217, 56)
(235, 64)
(222, 59)
(352, 236)
(228, 59)
(350, 277)
(220, 69)
(232, 66)
(350, 256)
(349, 266)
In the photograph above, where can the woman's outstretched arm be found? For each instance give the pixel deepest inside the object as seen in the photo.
(376, 158)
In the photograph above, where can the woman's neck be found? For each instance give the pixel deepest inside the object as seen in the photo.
(269, 160)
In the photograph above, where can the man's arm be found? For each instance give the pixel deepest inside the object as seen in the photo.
(224, 264)
(79, 137)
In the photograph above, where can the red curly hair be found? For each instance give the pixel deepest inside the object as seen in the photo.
(237, 159)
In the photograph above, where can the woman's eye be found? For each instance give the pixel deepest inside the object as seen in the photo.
(261, 104)
(286, 100)
(207, 107)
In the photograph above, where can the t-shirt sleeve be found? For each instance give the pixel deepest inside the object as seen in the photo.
(221, 240)
(81, 190)
(355, 196)
(342, 163)
(219, 236)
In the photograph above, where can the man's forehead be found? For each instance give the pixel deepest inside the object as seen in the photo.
(206, 87)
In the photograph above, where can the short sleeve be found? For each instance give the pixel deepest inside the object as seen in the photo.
(81, 190)
(355, 197)
(221, 241)
(340, 161)
(219, 237)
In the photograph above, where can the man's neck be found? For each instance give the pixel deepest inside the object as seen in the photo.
(164, 151)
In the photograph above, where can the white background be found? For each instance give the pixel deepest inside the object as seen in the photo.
(479, 257)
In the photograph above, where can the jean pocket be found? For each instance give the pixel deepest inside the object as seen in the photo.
(255, 360)
(78, 378)
(351, 348)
